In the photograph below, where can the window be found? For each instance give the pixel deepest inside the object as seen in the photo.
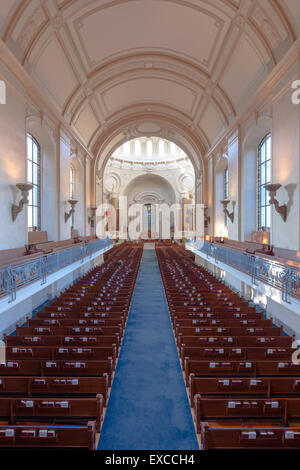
(72, 182)
(264, 177)
(226, 194)
(72, 191)
(149, 148)
(33, 177)
(172, 149)
(161, 148)
(126, 148)
(138, 148)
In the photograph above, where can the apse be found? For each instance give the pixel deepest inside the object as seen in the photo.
(150, 171)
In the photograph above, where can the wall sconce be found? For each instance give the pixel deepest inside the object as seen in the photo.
(92, 216)
(206, 217)
(230, 215)
(72, 202)
(272, 190)
(24, 188)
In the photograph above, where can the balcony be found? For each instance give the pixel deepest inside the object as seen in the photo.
(277, 274)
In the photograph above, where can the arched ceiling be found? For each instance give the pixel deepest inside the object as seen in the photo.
(193, 61)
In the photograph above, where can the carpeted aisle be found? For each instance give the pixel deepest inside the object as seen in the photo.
(148, 407)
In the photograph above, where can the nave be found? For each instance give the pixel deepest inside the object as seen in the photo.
(148, 406)
(98, 366)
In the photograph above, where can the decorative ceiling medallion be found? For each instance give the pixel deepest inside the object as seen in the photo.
(148, 128)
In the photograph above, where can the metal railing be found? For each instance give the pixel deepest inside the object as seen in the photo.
(19, 275)
(284, 277)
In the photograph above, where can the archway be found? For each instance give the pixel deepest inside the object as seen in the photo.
(152, 172)
(155, 126)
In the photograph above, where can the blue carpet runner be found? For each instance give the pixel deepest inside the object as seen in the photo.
(148, 407)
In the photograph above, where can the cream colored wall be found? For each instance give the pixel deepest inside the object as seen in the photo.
(282, 118)
(219, 195)
(12, 169)
(252, 136)
(64, 170)
(79, 195)
(285, 170)
(16, 119)
(210, 196)
(234, 183)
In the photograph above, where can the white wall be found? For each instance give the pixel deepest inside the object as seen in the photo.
(12, 164)
(15, 121)
(234, 183)
(285, 170)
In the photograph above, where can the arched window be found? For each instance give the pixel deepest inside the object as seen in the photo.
(72, 191)
(138, 148)
(226, 193)
(172, 149)
(149, 148)
(161, 148)
(33, 177)
(264, 177)
(126, 148)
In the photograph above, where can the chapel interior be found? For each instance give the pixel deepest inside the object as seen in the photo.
(150, 226)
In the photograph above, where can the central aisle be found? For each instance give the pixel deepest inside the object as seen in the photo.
(148, 406)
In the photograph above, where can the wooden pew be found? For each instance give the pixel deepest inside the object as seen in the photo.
(241, 437)
(247, 353)
(71, 330)
(58, 368)
(63, 411)
(181, 322)
(245, 408)
(60, 340)
(104, 321)
(243, 386)
(234, 341)
(48, 437)
(228, 331)
(63, 353)
(54, 386)
(80, 314)
(240, 369)
(215, 316)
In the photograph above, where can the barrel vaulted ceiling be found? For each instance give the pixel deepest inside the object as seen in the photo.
(192, 61)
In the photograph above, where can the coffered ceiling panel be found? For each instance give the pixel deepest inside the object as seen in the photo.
(169, 26)
(149, 90)
(55, 73)
(6, 10)
(293, 6)
(211, 123)
(86, 123)
(243, 68)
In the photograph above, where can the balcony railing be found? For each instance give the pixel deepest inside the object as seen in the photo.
(19, 275)
(282, 276)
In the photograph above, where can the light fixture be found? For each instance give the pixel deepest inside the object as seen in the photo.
(230, 215)
(92, 216)
(24, 188)
(72, 203)
(272, 189)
